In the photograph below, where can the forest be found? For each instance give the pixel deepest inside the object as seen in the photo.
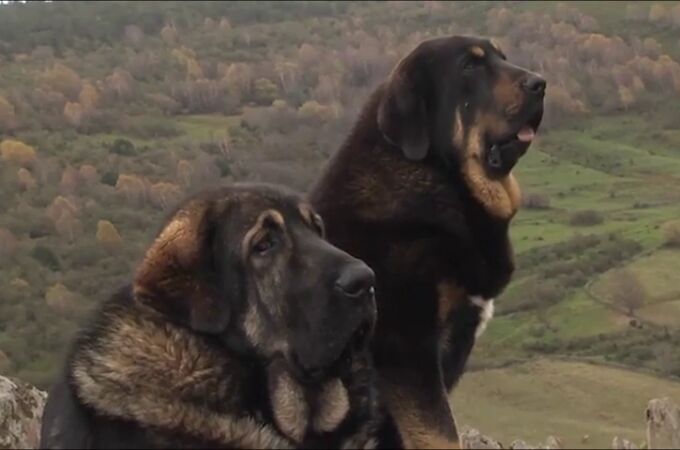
(111, 112)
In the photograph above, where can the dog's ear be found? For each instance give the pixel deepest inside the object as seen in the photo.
(402, 115)
(178, 275)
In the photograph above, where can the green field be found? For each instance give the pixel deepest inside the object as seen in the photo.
(566, 399)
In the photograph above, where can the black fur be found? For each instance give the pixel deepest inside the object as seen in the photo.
(400, 195)
(155, 369)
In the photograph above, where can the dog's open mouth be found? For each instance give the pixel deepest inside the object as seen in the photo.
(501, 154)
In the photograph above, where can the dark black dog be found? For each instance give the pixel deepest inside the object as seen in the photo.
(243, 328)
(423, 191)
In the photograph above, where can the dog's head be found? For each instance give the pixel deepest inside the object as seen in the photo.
(459, 102)
(249, 265)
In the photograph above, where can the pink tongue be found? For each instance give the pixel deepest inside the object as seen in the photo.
(526, 134)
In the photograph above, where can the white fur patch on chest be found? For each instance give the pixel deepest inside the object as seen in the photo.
(486, 309)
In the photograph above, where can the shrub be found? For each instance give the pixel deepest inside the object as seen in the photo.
(671, 234)
(586, 218)
(110, 178)
(123, 147)
(535, 201)
(46, 257)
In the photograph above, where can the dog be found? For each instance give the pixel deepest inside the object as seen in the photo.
(422, 190)
(243, 328)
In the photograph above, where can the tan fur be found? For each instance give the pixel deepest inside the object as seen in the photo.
(500, 197)
(312, 219)
(477, 51)
(291, 411)
(458, 131)
(333, 406)
(270, 214)
(415, 433)
(175, 245)
(149, 373)
(508, 95)
(450, 296)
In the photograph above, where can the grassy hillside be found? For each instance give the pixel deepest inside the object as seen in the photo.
(567, 399)
(111, 112)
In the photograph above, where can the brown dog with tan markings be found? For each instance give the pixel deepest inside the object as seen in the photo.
(243, 328)
(423, 191)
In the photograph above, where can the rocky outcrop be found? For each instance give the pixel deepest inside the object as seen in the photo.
(623, 444)
(472, 438)
(21, 407)
(663, 424)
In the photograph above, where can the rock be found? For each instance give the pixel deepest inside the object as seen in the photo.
(622, 444)
(21, 407)
(472, 438)
(553, 443)
(519, 444)
(663, 424)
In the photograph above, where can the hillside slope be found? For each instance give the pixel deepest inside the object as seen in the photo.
(567, 399)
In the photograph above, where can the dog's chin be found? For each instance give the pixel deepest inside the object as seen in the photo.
(501, 153)
(501, 158)
(333, 365)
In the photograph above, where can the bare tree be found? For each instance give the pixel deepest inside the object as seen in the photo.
(627, 291)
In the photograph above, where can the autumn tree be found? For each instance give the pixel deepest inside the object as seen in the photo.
(88, 97)
(133, 188)
(636, 11)
(265, 91)
(59, 298)
(88, 174)
(238, 79)
(185, 173)
(107, 235)
(119, 84)
(164, 195)
(187, 57)
(9, 244)
(626, 290)
(675, 16)
(287, 72)
(133, 35)
(74, 114)
(315, 112)
(26, 180)
(8, 118)
(69, 227)
(658, 13)
(64, 80)
(671, 233)
(70, 181)
(61, 206)
(169, 34)
(17, 152)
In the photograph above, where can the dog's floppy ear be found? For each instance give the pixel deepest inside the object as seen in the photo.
(178, 276)
(402, 116)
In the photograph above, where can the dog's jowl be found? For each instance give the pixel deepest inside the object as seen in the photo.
(243, 328)
(423, 191)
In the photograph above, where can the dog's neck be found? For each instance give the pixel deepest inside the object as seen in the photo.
(299, 410)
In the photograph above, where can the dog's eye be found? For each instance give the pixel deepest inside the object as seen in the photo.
(471, 64)
(264, 245)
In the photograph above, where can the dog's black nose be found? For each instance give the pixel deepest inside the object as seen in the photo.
(355, 280)
(533, 84)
